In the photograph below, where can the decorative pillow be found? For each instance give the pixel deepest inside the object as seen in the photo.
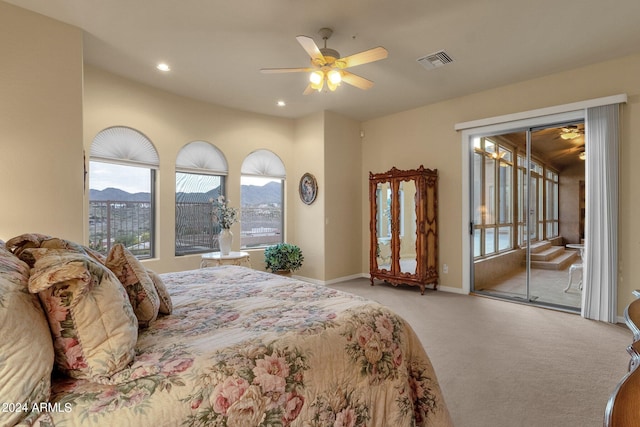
(95, 255)
(166, 305)
(139, 286)
(25, 241)
(20, 244)
(26, 349)
(93, 325)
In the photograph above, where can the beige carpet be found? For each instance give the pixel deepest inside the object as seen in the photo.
(547, 286)
(502, 364)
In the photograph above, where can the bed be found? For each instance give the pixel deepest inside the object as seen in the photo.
(248, 348)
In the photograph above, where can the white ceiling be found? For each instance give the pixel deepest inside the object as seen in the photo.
(217, 47)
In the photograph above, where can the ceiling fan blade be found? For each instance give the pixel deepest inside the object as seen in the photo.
(285, 70)
(371, 55)
(311, 47)
(357, 81)
(308, 90)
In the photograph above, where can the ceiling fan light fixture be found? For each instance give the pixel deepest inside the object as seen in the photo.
(316, 77)
(334, 77)
(570, 135)
(582, 155)
(332, 86)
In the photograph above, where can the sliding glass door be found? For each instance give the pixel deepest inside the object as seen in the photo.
(526, 209)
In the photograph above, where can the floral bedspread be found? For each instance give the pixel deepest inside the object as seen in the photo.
(248, 348)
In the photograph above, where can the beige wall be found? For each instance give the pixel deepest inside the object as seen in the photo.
(327, 145)
(569, 197)
(343, 175)
(41, 163)
(427, 136)
(308, 220)
(170, 122)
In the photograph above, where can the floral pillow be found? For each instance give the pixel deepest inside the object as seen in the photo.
(19, 244)
(25, 241)
(26, 349)
(166, 305)
(135, 279)
(93, 325)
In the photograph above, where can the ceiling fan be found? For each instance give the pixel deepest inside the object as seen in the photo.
(327, 66)
(571, 132)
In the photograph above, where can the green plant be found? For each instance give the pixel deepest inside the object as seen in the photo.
(283, 256)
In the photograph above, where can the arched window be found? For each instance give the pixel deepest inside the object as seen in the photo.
(262, 210)
(201, 170)
(122, 168)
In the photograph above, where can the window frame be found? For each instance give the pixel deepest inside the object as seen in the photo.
(115, 203)
(267, 165)
(128, 147)
(243, 211)
(214, 245)
(203, 159)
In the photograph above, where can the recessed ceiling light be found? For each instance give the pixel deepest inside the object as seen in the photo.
(281, 103)
(163, 67)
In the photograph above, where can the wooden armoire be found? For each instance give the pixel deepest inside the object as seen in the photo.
(404, 227)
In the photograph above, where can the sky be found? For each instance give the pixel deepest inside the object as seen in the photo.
(128, 178)
(134, 179)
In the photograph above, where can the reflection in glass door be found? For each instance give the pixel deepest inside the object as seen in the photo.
(408, 236)
(383, 223)
(527, 215)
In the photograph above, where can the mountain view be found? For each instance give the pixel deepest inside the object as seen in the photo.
(117, 216)
(251, 195)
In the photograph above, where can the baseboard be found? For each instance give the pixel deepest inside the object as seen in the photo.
(453, 290)
(366, 276)
(332, 281)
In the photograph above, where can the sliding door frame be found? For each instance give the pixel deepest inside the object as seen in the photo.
(505, 124)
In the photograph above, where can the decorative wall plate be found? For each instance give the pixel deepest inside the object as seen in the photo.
(308, 188)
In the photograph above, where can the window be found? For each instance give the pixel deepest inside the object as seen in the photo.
(552, 216)
(493, 193)
(499, 195)
(383, 196)
(262, 200)
(122, 170)
(201, 170)
(544, 201)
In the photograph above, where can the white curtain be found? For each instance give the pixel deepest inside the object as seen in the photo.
(601, 224)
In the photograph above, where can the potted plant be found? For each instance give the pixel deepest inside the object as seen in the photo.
(223, 217)
(283, 258)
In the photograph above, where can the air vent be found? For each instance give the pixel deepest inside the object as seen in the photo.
(435, 60)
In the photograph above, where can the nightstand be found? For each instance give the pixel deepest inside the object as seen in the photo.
(215, 259)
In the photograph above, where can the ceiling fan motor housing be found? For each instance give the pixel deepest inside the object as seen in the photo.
(328, 52)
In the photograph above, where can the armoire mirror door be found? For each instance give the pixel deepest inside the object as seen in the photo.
(407, 226)
(383, 201)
